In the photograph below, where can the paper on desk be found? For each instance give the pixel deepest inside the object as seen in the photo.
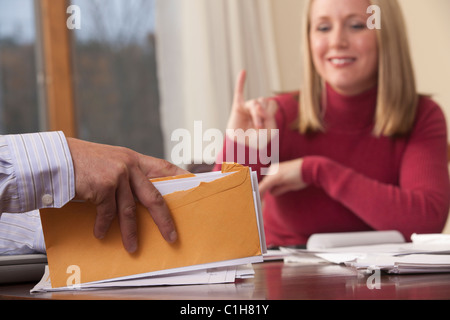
(219, 223)
(358, 253)
(434, 238)
(198, 277)
(404, 264)
(324, 241)
(347, 254)
(425, 255)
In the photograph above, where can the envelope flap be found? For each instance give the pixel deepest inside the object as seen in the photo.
(207, 189)
(187, 175)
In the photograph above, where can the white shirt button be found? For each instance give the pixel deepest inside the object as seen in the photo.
(47, 199)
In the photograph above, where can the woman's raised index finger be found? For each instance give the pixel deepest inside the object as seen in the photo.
(239, 89)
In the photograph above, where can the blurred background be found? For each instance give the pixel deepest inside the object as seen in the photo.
(139, 69)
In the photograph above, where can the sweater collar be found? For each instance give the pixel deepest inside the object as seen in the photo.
(349, 113)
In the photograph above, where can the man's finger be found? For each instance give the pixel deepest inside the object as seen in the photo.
(106, 212)
(161, 215)
(150, 197)
(127, 217)
(156, 168)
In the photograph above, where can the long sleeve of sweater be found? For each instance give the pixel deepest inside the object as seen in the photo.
(420, 201)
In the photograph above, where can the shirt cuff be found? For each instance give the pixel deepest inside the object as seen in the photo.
(44, 169)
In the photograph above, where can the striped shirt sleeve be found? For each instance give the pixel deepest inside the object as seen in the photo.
(36, 172)
(21, 233)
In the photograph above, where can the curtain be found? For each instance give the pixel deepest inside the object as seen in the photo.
(201, 47)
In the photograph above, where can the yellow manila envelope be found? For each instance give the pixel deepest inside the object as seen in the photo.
(218, 223)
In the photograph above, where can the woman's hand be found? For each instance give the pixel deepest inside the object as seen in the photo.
(283, 177)
(254, 114)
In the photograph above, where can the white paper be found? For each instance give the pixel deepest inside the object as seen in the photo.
(435, 238)
(428, 254)
(323, 241)
(198, 277)
(414, 263)
(169, 186)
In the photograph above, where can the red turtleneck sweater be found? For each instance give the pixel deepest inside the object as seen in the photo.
(359, 182)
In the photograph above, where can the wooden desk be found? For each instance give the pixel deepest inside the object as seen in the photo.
(273, 281)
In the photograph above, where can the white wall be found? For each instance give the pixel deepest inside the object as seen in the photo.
(287, 16)
(428, 29)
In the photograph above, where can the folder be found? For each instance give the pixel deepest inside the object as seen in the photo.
(217, 216)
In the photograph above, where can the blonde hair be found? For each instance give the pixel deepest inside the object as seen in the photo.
(397, 94)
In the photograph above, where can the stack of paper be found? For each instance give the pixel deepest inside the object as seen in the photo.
(203, 276)
(420, 256)
(219, 224)
(405, 264)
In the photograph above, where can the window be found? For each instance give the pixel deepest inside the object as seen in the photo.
(98, 83)
(115, 75)
(19, 95)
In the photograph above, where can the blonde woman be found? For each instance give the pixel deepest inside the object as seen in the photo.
(359, 148)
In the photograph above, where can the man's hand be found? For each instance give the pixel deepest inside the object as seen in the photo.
(114, 178)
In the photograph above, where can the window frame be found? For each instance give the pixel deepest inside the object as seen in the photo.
(55, 79)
